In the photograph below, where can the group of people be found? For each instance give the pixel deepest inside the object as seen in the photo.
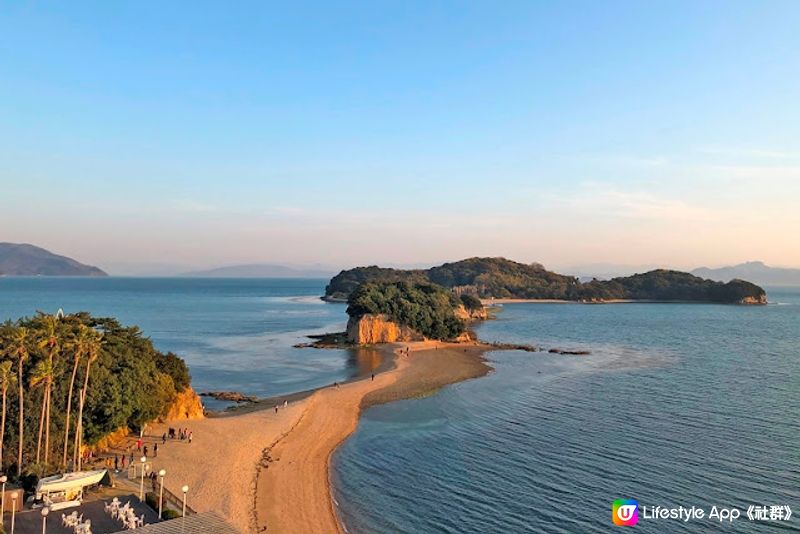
(121, 461)
(181, 433)
(285, 405)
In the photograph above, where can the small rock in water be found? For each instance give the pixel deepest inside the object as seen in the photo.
(233, 396)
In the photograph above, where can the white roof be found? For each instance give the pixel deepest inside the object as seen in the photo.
(67, 481)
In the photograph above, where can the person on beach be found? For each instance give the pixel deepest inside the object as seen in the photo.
(190, 437)
(145, 450)
(131, 459)
(155, 450)
(164, 438)
(116, 463)
(286, 404)
(123, 461)
(373, 377)
(276, 408)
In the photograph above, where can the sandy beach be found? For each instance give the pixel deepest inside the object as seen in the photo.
(268, 471)
(219, 465)
(293, 492)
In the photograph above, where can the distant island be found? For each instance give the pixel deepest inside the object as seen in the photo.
(499, 278)
(755, 271)
(261, 270)
(29, 260)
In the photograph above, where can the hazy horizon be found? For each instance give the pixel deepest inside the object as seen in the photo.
(585, 269)
(568, 134)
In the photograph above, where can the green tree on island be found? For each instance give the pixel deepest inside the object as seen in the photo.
(426, 308)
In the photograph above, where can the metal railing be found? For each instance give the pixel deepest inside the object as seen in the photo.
(177, 502)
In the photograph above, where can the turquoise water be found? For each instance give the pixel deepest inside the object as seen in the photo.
(234, 333)
(677, 405)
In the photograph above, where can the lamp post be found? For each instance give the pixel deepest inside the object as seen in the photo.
(3, 479)
(45, 511)
(13, 509)
(141, 484)
(161, 490)
(185, 490)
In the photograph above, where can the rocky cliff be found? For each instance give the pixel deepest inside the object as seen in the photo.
(187, 405)
(479, 314)
(759, 299)
(369, 329)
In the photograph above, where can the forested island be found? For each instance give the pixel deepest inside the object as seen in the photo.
(488, 278)
(427, 310)
(68, 381)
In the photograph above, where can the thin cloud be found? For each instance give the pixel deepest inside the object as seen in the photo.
(757, 153)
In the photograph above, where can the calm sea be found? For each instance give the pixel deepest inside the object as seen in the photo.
(235, 334)
(692, 405)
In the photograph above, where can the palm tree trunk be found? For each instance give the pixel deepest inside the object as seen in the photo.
(3, 425)
(81, 404)
(47, 424)
(21, 436)
(41, 427)
(69, 408)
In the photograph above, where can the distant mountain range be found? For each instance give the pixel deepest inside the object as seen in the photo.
(20, 259)
(754, 271)
(262, 270)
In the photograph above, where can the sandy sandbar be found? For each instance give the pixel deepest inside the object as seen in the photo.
(268, 471)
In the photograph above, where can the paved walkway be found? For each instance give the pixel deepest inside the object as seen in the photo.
(30, 522)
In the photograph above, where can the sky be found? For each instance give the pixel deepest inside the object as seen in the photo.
(135, 135)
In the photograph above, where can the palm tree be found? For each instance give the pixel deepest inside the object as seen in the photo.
(79, 345)
(6, 380)
(20, 342)
(93, 347)
(42, 376)
(51, 342)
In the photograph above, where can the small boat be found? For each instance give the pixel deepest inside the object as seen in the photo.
(65, 491)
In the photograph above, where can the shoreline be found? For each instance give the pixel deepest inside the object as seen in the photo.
(294, 481)
(268, 464)
(387, 364)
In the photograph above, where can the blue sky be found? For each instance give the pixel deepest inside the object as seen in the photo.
(207, 133)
